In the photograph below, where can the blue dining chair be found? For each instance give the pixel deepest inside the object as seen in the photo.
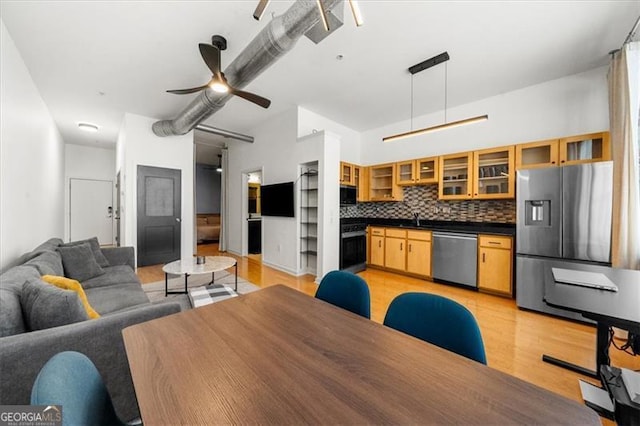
(346, 290)
(438, 320)
(70, 379)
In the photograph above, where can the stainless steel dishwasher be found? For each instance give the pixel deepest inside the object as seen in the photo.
(455, 258)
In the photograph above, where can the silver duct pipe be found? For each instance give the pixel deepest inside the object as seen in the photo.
(225, 133)
(276, 39)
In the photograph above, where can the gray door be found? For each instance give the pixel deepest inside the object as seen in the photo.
(539, 212)
(586, 211)
(159, 198)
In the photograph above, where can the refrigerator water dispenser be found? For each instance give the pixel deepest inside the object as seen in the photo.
(537, 213)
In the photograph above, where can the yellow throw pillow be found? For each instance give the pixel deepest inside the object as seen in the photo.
(73, 285)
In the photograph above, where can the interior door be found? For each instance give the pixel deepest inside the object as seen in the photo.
(91, 210)
(159, 215)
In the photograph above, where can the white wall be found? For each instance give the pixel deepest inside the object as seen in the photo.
(308, 121)
(86, 162)
(278, 153)
(568, 106)
(138, 145)
(31, 160)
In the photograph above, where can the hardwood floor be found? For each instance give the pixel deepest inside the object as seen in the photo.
(514, 339)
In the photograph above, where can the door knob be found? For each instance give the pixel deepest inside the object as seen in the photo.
(178, 219)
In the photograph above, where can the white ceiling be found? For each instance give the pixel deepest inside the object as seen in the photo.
(94, 61)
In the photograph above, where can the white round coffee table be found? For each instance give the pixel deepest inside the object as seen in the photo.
(212, 265)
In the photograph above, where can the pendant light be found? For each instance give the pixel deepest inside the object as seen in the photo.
(443, 57)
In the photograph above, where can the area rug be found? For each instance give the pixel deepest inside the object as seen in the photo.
(155, 290)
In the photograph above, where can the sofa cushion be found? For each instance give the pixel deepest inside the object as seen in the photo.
(119, 274)
(79, 262)
(11, 282)
(47, 263)
(46, 306)
(95, 248)
(115, 298)
(50, 245)
(73, 285)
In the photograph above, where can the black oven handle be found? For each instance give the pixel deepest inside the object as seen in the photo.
(353, 234)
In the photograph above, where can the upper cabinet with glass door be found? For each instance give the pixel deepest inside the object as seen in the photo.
(347, 175)
(585, 148)
(493, 175)
(563, 152)
(417, 172)
(455, 176)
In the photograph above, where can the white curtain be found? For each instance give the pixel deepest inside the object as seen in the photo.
(224, 202)
(624, 111)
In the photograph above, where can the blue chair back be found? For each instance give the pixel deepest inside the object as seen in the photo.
(438, 320)
(70, 379)
(346, 290)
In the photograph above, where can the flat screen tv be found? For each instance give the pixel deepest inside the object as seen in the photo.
(277, 199)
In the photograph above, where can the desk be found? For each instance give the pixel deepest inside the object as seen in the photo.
(278, 356)
(618, 309)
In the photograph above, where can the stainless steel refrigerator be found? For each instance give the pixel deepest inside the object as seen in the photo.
(563, 221)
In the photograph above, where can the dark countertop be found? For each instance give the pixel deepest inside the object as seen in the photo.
(439, 225)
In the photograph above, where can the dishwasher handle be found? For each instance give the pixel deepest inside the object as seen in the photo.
(455, 236)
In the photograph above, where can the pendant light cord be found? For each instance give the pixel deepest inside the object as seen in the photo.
(411, 101)
(445, 92)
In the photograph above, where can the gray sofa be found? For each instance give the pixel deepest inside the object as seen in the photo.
(116, 295)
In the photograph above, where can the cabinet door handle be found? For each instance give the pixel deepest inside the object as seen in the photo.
(409, 248)
(483, 257)
(494, 242)
(400, 246)
(380, 244)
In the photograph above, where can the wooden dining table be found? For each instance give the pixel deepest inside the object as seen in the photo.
(278, 356)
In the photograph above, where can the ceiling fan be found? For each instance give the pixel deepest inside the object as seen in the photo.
(218, 83)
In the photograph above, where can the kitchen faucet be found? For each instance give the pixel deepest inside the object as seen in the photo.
(416, 216)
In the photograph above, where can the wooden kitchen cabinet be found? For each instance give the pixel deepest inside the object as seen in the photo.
(377, 246)
(494, 174)
(347, 176)
(456, 175)
(537, 154)
(361, 181)
(584, 148)
(495, 264)
(419, 253)
(395, 244)
(564, 151)
(417, 172)
(382, 183)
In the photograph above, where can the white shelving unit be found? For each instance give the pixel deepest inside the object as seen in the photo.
(309, 218)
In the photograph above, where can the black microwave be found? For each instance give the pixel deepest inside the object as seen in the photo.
(348, 195)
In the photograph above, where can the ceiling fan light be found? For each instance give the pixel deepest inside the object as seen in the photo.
(357, 15)
(219, 87)
(88, 127)
(437, 128)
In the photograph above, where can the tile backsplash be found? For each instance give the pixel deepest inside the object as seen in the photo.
(424, 199)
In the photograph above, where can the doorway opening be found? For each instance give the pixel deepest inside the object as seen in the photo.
(208, 188)
(254, 216)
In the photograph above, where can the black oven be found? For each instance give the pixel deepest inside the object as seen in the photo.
(353, 247)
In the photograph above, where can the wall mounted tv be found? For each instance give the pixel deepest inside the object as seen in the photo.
(277, 199)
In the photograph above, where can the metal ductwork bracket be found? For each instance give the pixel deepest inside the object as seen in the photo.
(276, 39)
(335, 18)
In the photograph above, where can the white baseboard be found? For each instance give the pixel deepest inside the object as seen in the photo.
(282, 269)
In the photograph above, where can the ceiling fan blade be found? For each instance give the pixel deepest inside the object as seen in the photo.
(187, 91)
(251, 97)
(211, 56)
(262, 5)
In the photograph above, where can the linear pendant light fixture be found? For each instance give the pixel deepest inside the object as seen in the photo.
(443, 57)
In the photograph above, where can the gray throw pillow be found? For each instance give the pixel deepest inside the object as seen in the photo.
(95, 248)
(79, 262)
(46, 306)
